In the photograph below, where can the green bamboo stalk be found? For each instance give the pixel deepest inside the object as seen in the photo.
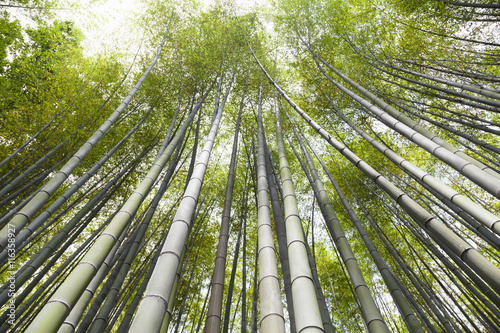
(488, 180)
(477, 211)
(406, 312)
(307, 315)
(213, 321)
(271, 313)
(279, 224)
(369, 310)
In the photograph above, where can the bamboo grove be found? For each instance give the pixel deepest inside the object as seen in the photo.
(299, 166)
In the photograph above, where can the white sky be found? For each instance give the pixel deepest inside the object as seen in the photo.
(107, 23)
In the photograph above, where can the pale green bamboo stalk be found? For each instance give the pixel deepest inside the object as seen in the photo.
(25, 233)
(76, 313)
(101, 319)
(369, 310)
(271, 309)
(307, 315)
(151, 312)
(406, 313)
(489, 181)
(476, 89)
(55, 311)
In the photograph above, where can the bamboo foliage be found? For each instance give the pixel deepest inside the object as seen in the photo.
(37, 202)
(122, 239)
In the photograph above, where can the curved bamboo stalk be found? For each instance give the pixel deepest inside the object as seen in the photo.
(307, 314)
(369, 310)
(469, 87)
(387, 274)
(456, 99)
(487, 180)
(40, 219)
(489, 272)
(471, 138)
(477, 211)
(483, 100)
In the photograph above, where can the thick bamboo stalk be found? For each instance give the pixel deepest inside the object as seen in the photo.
(23, 307)
(406, 312)
(99, 324)
(271, 310)
(477, 211)
(76, 313)
(307, 315)
(279, 223)
(369, 310)
(489, 272)
(40, 219)
(411, 126)
(488, 180)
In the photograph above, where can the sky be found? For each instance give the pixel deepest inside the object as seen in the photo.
(107, 23)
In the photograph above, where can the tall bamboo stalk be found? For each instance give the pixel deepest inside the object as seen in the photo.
(369, 310)
(307, 315)
(213, 321)
(271, 310)
(472, 257)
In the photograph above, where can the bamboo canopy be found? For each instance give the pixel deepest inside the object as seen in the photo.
(291, 166)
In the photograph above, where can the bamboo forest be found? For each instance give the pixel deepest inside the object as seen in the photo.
(250, 166)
